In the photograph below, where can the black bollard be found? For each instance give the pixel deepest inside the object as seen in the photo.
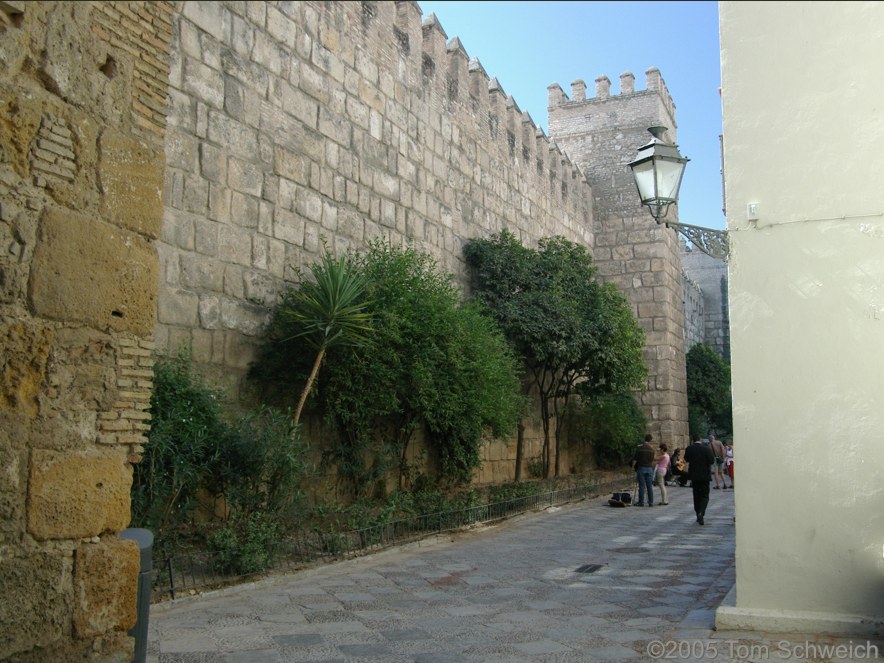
(144, 539)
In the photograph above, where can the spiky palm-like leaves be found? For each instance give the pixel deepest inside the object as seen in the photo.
(328, 311)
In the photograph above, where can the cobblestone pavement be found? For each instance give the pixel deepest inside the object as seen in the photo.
(581, 583)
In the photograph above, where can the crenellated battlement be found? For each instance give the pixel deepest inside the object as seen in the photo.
(464, 82)
(557, 98)
(424, 58)
(602, 133)
(404, 53)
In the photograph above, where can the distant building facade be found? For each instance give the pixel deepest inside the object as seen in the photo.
(706, 301)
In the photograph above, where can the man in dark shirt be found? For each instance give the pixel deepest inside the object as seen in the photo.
(643, 464)
(700, 460)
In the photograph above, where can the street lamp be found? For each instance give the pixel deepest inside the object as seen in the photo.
(658, 170)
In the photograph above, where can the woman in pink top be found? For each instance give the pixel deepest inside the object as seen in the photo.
(662, 460)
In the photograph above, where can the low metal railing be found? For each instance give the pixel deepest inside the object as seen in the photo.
(184, 574)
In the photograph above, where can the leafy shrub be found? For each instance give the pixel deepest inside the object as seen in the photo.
(260, 466)
(186, 426)
(612, 424)
(429, 365)
(511, 491)
(245, 545)
(255, 464)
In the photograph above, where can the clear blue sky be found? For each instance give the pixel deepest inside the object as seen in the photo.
(530, 45)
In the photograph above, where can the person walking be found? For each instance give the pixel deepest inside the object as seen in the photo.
(700, 460)
(662, 468)
(643, 464)
(718, 467)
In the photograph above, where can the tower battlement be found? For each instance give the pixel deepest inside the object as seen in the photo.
(557, 98)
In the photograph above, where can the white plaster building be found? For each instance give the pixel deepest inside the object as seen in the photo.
(803, 109)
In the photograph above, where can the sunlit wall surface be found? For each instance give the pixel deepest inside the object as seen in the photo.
(803, 112)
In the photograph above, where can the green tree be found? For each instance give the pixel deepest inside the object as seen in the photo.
(476, 391)
(326, 311)
(501, 277)
(568, 328)
(432, 363)
(609, 369)
(615, 362)
(567, 292)
(709, 391)
(609, 424)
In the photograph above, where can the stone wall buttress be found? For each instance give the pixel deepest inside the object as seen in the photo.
(82, 101)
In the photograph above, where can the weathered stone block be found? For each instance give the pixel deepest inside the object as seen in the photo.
(105, 586)
(181, 151)
(239, 352)
(238, 138)
(83, 372)
(213, 18)
(244, 176)
(35, 610)
(23, 364)
(235, 245)
(13, 470)
(131, 177)
(78, 494)
(91, 272)
(178, 307)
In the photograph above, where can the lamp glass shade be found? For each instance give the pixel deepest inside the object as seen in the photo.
(658, 179)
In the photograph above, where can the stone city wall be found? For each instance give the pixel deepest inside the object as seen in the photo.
(82, 91)
(290, 125)
(294, 124)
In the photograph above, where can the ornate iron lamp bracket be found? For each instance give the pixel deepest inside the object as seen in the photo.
(709, 241)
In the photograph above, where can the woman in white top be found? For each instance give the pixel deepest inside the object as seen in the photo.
(729, 463)
(662, 461)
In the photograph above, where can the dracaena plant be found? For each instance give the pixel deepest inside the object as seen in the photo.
(326, 311)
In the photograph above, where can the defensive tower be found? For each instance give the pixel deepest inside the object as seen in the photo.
(602, 135)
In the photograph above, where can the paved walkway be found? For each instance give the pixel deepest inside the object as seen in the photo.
(581, 583)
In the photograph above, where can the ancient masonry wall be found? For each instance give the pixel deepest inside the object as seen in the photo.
(710, 276)
(694, 313)
(602, 135)
(294, 124)
(82, 93)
